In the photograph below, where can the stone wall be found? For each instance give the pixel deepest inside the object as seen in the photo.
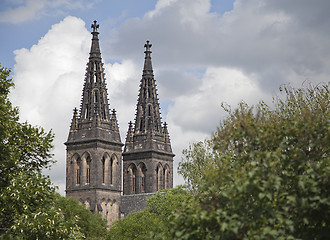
(133, 203)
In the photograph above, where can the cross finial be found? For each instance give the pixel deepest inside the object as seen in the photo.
(95, 26)
(147, 46)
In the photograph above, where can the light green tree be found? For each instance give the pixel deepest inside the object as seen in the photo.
(135, 226)
(90, 225)
(263, 175)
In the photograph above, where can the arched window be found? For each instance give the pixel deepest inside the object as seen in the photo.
(111, 170)
(159, 175)
(141, 174)
(166, 183)
(132, 179)
(103, 170)
(88, 170)
(78, 163)
(108, 169)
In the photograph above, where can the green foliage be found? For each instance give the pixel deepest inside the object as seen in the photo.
(264, 175)
(92, 226)
(164, 204)
(166, 201)
(195, 165)
(135, 226)
(29, 206)
(22, 147)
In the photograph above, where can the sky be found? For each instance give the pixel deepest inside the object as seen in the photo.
(204, 53)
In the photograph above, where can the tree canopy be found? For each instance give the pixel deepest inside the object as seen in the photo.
(264, 174)
(30, 208)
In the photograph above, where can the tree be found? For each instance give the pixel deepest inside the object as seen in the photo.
(30, 208)
(26, 196)
(265, 173)
(92, 226)
(135, 226)
(164, 204)
(22, 146)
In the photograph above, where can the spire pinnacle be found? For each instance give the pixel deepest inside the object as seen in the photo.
(147, 60)
(147, 46)
(95, 26)
(95, 48)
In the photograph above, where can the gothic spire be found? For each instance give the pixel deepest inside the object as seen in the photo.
(94, 105)
(148, 132)
(148, 118)
(95, 120)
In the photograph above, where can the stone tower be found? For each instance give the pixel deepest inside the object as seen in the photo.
(94, 148)
(147, 156)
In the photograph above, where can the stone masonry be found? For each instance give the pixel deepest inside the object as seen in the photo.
(94, 148)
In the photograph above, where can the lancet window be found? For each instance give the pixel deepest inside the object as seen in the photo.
(78, 163)
(88, 170)
(159, 175)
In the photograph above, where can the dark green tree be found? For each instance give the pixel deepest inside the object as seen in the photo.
(30, 208)
(263, 175)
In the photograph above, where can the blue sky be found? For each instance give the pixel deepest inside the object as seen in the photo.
(205, 52)
(28, 31)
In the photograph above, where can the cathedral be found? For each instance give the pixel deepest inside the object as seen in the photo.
(107, 176)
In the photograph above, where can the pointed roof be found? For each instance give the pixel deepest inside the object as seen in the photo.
(94, 104)
(148, 117)
(148, 133)
(94, 120)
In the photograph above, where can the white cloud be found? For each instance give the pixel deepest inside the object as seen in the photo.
(123, 81)
(266, 38)
(49, 79)
(194, 116)
(201, 109)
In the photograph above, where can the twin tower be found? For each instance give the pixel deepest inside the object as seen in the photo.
(96, 166)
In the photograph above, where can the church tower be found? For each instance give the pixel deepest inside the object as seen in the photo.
(147, 156)
(94, 148)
